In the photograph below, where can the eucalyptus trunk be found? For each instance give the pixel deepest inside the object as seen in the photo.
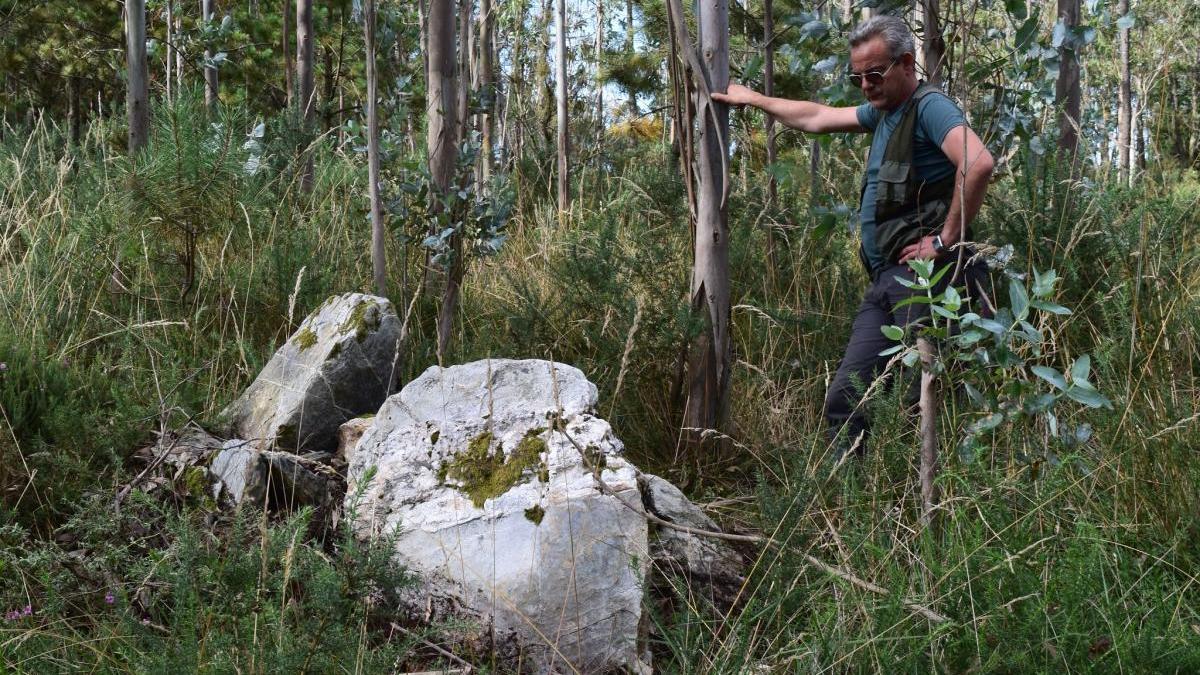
(1124, 104)
(464, 68)
(210, 71)
(305, 86)
(1067, 89)
(769, 90)
(633, 108)
(169, 61)
(487, 85)
(288, 87)
(442, 143)
(378, 262)
(710, 362)
(137, 93)
(933, 46)
(560, 93)
(598, 51)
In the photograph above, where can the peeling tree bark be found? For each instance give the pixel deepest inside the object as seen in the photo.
(711, 356)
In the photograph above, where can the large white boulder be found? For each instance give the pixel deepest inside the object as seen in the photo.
(337, 365)
(485, 475)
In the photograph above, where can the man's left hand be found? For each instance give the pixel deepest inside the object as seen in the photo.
(921, 249)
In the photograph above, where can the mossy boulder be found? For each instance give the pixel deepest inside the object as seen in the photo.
(477, 472)
(337, 365)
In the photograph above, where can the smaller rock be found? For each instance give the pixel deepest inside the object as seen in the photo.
(711, 568)
(338, 364)
(274, 480)
(348, 436)
(239, 472)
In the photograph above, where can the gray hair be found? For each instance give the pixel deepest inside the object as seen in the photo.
(892, 29)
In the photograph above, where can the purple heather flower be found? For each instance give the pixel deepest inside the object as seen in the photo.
(27, 611)
(109, 598)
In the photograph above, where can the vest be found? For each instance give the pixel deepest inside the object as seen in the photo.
(906, 209)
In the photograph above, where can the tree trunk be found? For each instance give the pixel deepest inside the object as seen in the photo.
(598, 49)
(210, 71)
(288, 88)
(560, 93)
(76, 113)
(711, 357)
(487, 85)
(442, 143)
(137, 93)
(171, 37)
(1124, 102)
(769, 90)
(305, 87)
(378, 262)
(178, 55)
(1067, 90)
(464, 69)
(633, 107)
(933, 46)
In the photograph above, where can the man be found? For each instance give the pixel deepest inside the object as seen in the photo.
(925, 181)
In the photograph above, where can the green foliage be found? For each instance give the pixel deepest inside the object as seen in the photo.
(165, 592)
(997, 376)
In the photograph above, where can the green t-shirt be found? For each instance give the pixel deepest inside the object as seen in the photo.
(936, 116)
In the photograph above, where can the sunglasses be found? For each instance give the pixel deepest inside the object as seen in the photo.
(872, 76)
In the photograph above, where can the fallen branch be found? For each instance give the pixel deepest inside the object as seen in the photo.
(868, 586)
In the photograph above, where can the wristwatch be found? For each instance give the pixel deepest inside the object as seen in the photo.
(938, 246)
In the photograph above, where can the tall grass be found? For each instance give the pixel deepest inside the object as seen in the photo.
(141, 294)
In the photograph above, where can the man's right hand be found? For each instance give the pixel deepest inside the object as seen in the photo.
(737, 95)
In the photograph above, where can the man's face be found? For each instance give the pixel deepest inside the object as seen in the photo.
(897, 84)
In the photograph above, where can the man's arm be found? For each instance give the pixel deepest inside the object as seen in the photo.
(802, 115)
(973, 167)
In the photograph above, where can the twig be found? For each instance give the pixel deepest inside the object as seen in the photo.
(868, 586)
(437, 648)
(929, 449)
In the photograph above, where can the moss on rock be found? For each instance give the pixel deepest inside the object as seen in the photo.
(535, 514)
(305, 339)
(361, 320)
(482, 474)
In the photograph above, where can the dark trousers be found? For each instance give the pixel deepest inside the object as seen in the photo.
(861, 363)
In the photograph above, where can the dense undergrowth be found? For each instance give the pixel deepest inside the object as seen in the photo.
(140, 295)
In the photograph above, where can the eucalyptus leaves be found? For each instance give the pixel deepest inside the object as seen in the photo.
(998, 357)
